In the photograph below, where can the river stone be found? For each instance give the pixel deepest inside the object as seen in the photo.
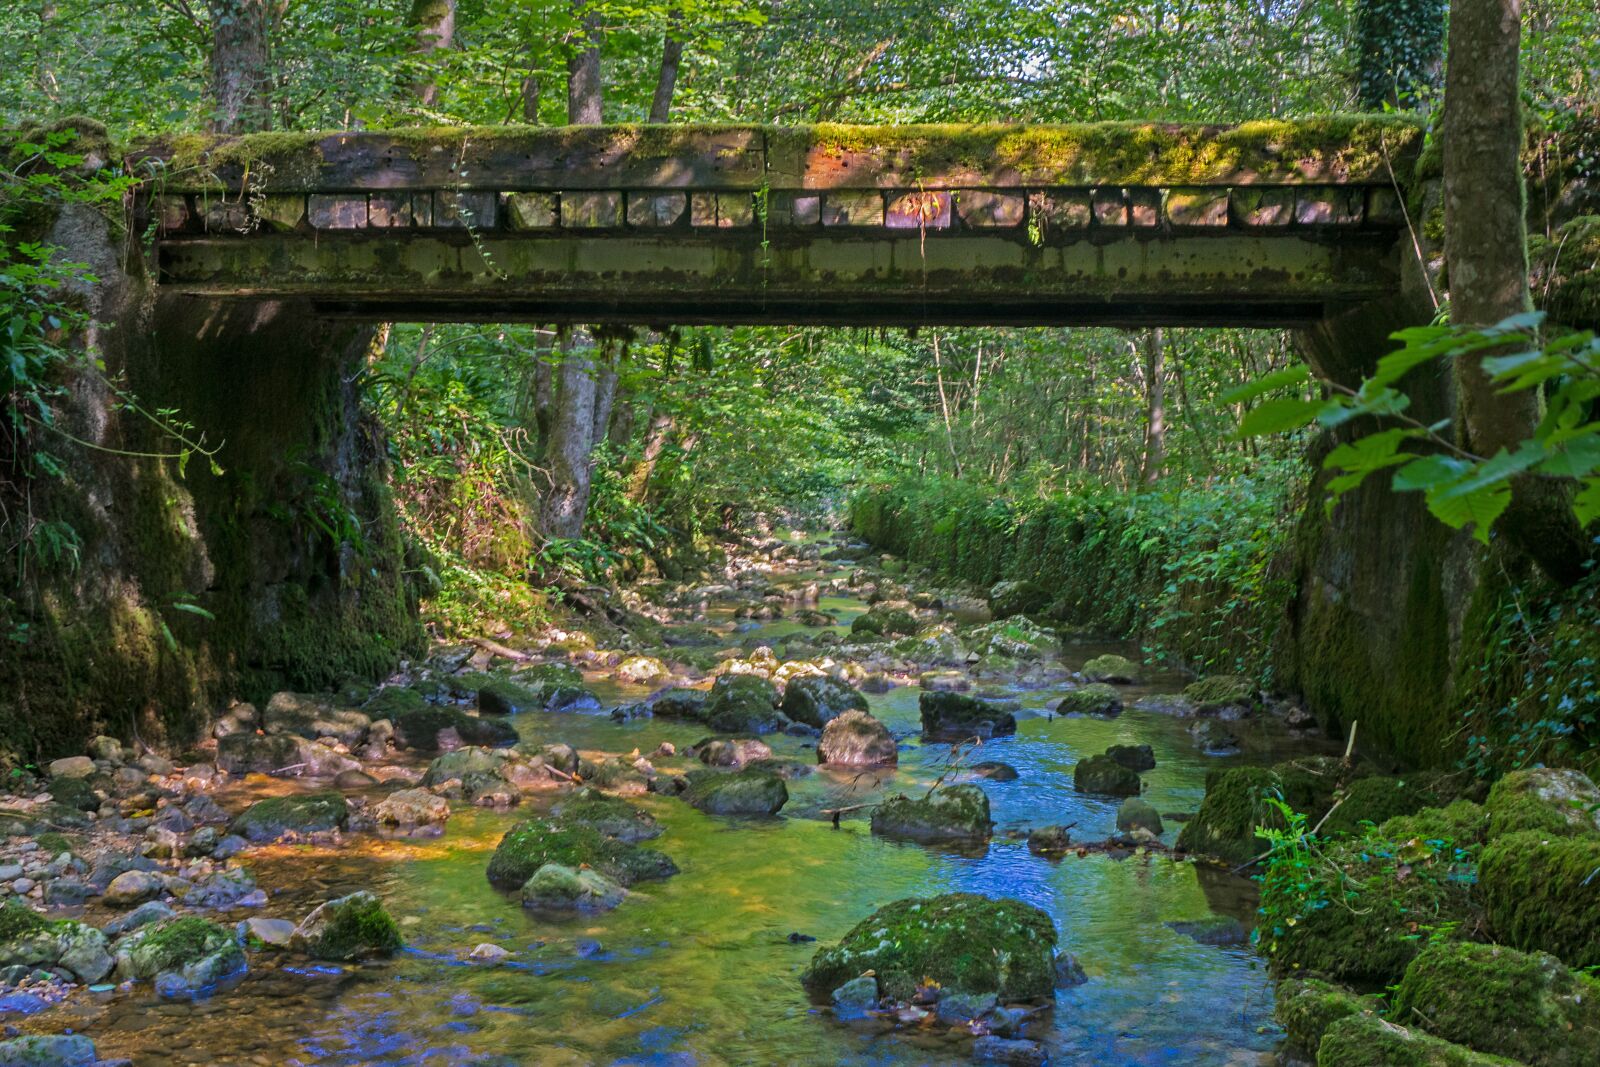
(151, 911)
(952, 813)
(54, 1050)
(855, 998)
(1115, 669)
(554, 887)
(1047, 840)
(74, 793)
(958, 1009)
(411, 808)
(818, 699)
(1014, 1051)
(501, 696)
(1096, 699)
(1363, 1040)
(1549, 800)
(995, 771)
(435, 729)
(857, 739)
(885, 621)
(275, 817)
(610, 816)
(531, 844)
(747, 792)
(84, 951)
(965, 942)
(1017, 598)
(957, 717)
(735, 752)
(132, 887)
(1219, 692)
(641, 670)
(72, 767)
(1102, 774)
(348, 928)
(313, 716)
(1133, 757)
(275, 933)
(743, 704)
(286, 754)
(679, 704)
(1212, 930)
(1138, 814)
(187, 957)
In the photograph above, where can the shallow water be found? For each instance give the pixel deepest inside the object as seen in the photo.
(698, 969)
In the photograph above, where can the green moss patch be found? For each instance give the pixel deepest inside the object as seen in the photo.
(531, 844)
(1307, 1007)
(1541, 894)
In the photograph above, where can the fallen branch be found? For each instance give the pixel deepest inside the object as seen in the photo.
(498, 649)
(836, 812)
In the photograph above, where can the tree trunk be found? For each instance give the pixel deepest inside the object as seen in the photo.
(605, 395)
(1486, 262)
(435, 21)
(667, 79)
(583, 71)
(656, 436)
(45, 67)
(571, 441)
(530, 99)
(240, 65)
(1155, 391)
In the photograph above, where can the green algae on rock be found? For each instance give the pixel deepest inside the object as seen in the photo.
(554, 887)
(752, 791)
(270, 819)
(1219, 691)
(951, 813)
(1363, 1040)
(1540, 894)
(530, 845)
(1460, 823)
(1118, 670)
(611, 816)
(956, 717)
(1547, 800)
(186, 956)
(1096, 698)
(1103, 774)
(817, 699)
(1017, 598)
(965, 942)
(743, 704)
(1307, 1007)
(349, 928)
(427, 729)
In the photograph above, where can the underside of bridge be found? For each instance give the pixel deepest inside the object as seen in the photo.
(1263, 224)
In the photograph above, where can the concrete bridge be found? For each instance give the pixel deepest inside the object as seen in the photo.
(1263, 224)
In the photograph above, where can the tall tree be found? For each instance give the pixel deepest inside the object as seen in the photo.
(435, 21)
(1155, 392)
(1486, 260)
(571, 443)
(667, 76)
(241, 64)
(584, 101)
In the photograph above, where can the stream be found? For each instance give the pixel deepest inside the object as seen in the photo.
(700, 968)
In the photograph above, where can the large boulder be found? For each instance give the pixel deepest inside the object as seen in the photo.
(951, 813)
(1306, 1007)
(28, 939)
(609, 816)
(957, 717)
(554, 887)
(1528, 1007)
(312, 716)
(48, 1050)
(1237, 801)
(753, 791)
(856, 739)
(283, 755)
(1102, 774)
(187, 957)
(276, 817)
(502, 696)
(743, 704)
(431, 728)
(1118, 670)
(1364, 1040)
(1017, 598)
(965, 942)
(530, 845)
(349, 928)
(1542, 895)
(1016, 638)
(817, 699)
(1138, 814)
(1549, 800)
(1096, 698)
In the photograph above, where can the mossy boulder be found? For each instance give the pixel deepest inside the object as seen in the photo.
(1461, 823)
(951, 813)
(186, 957)
(502, 696)
(1219, 691)
(548, 676)
(856, 739)
(1133, 757)
(349, 928)
(1307, 1007)
(1364, 1040)
(28, 939)
(1549, 800)
(679, 704)
(610, 816)
(1372, 801)
(431, 728)
(1237, 801)
(1017, 598)
(965, 942)
(48, 1050)
(752, 791)
(1015, 638)
(1527, 1006)
(1136, 814)
(1541, 894)
(530, 845)
(1118, 670)
(887, 622)
(956, 717)
(275, 817)
(76, 793)
(1096, 698)
(1104, 775)
(743, 704)
(394, 700)
(817, 699)
(554, 887)
(1363, 910)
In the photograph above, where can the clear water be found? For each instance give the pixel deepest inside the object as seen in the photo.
(698, 969)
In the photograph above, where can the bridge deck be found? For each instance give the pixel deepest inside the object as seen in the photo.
(1261, 224)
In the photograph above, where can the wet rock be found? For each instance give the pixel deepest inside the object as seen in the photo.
(285, 755)
(66, 892)
(877, 682)
(818, 699)
(1016, 1052)
(554, 887)
(411, 809)
(487, 953)
(964, 942)
(275, 817)
(609, 816)
(1540, 895)
(230, 888)
(680, 704)
(55, 1050)
(348, 928)
(1222, 693)
(1133, 757)
(501, 696)
(354, 779)
(1368, 1041)
(746, 792)
(435, 729)
(1213, 738)
(855, 998)
(743, 704)
(1237, 801)
(1548, 800)
(733, 752)
(641, 670)
(957, 717)
(995, 771)
(202, 809)
(187, 957)
(1137, 814)
(313, 716)
(72, 767)
(951, 813)
(530, 845)
(1017, 598)
(1049, 840)
(1307, 1007)
(857, 739)
(274, 933)
(1096, 698)
(1069, 972)
(1215, 930)
(884, 621)
(149, 912)
(74, 793)
(1102, 774)
(132, 887)
(1117, 670)
(1008, 639)
(944, 681)
(958, 1009)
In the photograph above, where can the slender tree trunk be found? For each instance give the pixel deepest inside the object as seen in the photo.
(944, 406)
(1155, 391)
(656, 436)
(543, 391)
(571, 442)
(45, 67)
(584, 102)
(435, 21)
(605, 395)
(240, 65)
(623, 415)
(1487, 263)
(530, 99)
(667, 78)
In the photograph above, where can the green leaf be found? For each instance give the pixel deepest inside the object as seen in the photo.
(1480, 508)
(1429, 472)
(1278, 379)
(193, 609)
(1276, 416)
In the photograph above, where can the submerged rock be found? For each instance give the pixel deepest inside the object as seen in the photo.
(349, 928)
(856, 739)
(554, 887)
(530, 845)
(855, 998)
(1133, 757)
(964, 942)
(1013, 1051)
(748, 792)
(953, 813)
(995, 771)
(275, 817)
(957, 717)
(1102, 774)
(818, 699)
(1047, 840)
(1214, 930)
